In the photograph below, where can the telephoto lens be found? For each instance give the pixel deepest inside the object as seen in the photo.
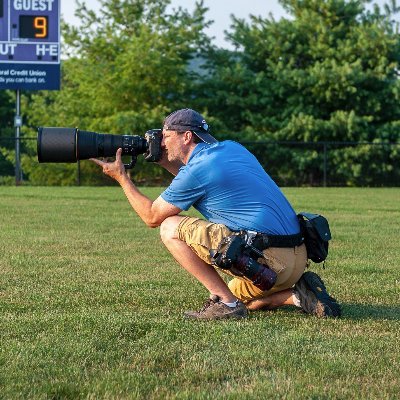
(260, 275)
(66, 145)
(234, 255)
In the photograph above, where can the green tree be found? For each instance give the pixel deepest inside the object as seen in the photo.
(6, 114)
(127, 68)
(330, 72)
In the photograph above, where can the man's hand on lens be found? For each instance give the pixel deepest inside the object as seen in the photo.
(116, 169)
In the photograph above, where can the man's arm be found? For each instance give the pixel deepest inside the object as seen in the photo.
(151, 212)
(171, 167)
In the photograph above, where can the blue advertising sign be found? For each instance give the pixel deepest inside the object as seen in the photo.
(30, 44)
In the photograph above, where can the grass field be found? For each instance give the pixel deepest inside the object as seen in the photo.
(91, 307)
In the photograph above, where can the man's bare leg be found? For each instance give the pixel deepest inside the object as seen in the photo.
(185, 256)
(285, 297)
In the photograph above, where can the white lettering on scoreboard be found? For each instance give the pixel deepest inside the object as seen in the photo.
(7, 49)
(33, 5)
(47, 49)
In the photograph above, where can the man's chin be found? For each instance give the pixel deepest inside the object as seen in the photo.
(164, 159)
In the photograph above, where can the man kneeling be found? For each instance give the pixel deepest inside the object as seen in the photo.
(228, 186)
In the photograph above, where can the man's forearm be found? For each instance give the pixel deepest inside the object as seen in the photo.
(171, 167)
(139, 202)
(153, 213)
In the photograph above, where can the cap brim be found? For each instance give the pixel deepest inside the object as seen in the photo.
(205, 137)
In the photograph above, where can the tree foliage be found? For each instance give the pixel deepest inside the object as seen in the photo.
(6, 113)
(328, 72)
(127, 68)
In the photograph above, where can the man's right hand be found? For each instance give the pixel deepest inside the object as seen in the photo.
(116, 169)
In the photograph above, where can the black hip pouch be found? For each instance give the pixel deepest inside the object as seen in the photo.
(316, 233)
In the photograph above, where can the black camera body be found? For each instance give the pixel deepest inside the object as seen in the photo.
(71, 144)
(153, 138)
(236, 255)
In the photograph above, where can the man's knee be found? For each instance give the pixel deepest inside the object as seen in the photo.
(169, 228)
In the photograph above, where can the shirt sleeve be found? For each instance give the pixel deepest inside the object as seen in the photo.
(184, 190)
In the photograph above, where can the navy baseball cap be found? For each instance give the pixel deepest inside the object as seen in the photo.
(187, 119)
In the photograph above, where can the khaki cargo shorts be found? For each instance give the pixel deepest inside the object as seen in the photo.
(289, 263)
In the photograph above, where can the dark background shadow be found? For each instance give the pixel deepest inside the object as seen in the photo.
(370, 311)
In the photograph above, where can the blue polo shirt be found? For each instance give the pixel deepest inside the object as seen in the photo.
(227, 185)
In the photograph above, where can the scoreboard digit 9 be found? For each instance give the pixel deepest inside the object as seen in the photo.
(33, 26)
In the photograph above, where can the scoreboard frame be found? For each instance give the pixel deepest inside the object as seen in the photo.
(30, 44)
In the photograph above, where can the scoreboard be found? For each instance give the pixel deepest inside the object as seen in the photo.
(30, 44)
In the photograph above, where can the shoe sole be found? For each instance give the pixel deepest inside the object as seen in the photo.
(234, 314)
(331, 308)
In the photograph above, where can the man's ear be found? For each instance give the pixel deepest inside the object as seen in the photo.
(188, 136)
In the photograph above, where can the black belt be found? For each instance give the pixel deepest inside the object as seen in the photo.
(262, 241)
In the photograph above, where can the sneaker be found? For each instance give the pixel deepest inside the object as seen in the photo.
(314, 299)
(216, 309)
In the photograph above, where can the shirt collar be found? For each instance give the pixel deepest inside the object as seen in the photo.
(197, 149)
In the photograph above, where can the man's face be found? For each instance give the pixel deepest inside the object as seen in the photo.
(172, 146)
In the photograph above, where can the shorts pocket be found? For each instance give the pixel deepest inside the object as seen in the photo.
(273, 261)
(202, 236)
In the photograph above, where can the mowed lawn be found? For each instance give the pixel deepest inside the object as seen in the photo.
(91, 307)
